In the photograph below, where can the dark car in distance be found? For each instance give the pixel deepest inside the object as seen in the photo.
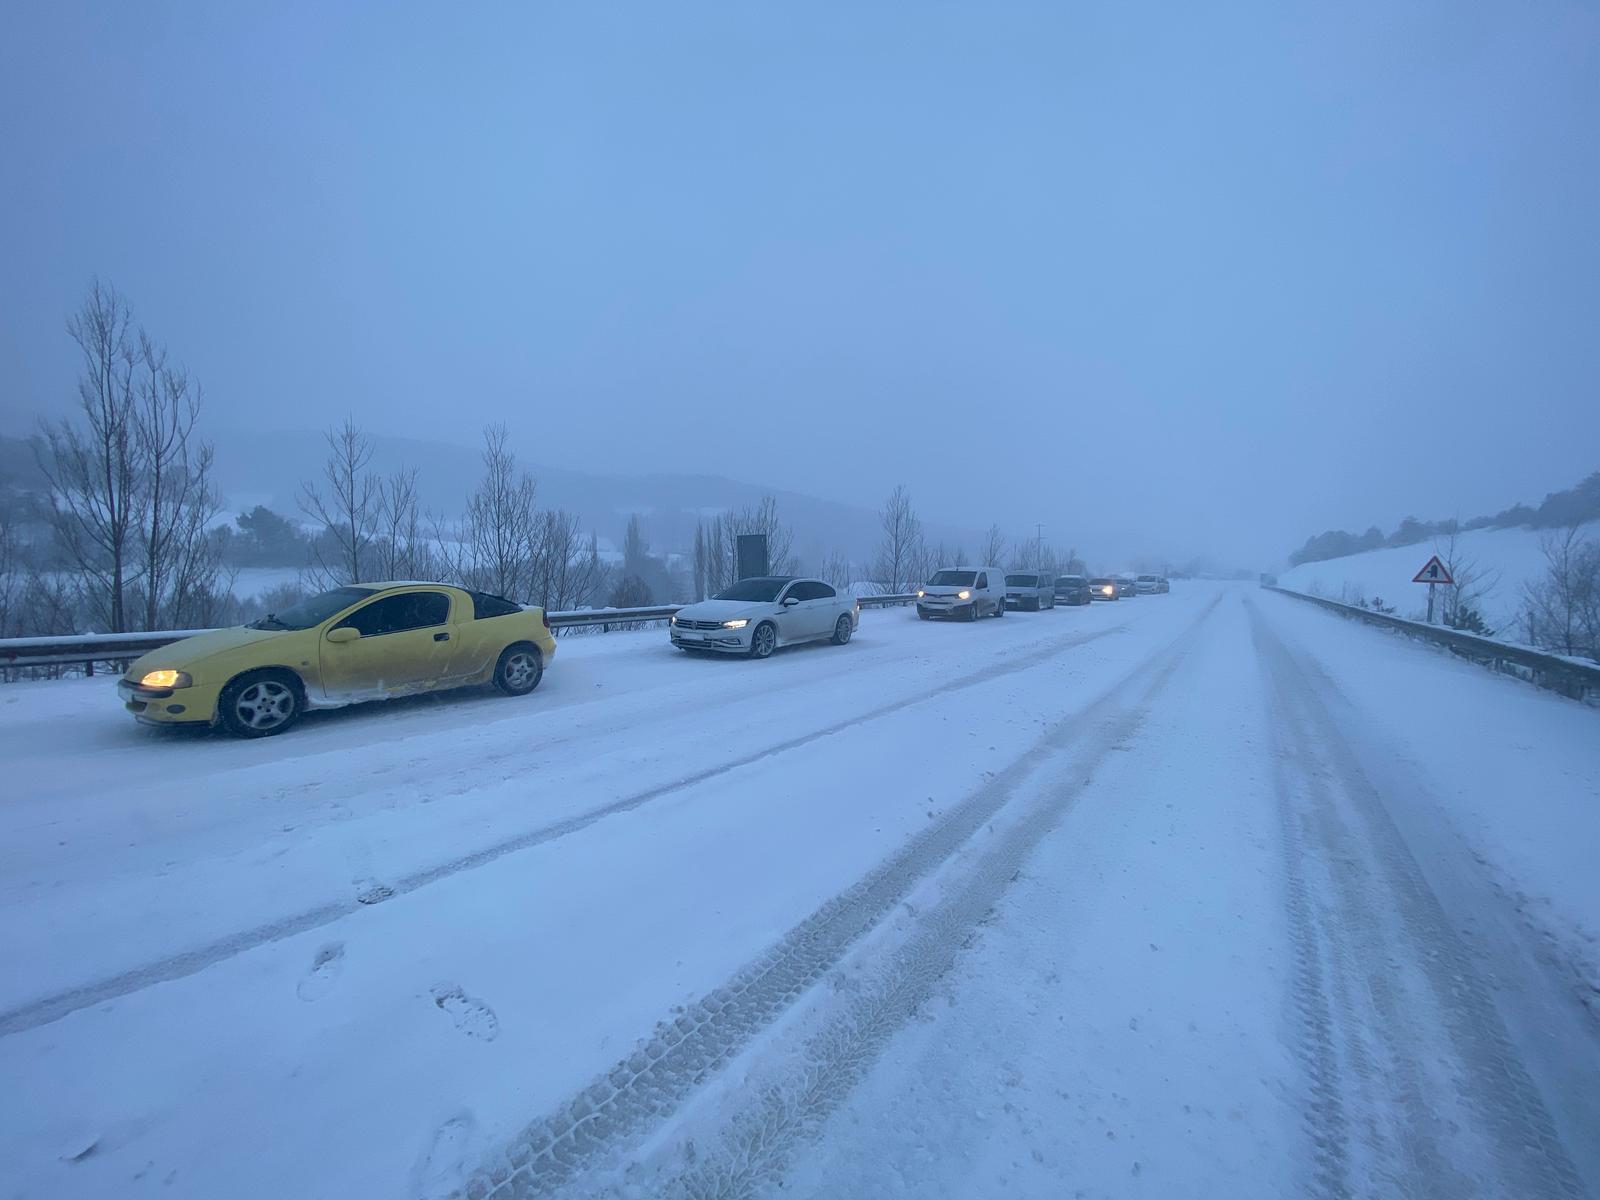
(1072, 589)
(1104, 589)
(1030, 590)
(1126, 589)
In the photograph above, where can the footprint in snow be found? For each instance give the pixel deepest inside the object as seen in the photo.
(472, 1016)
(324, 970)
(441, 1169)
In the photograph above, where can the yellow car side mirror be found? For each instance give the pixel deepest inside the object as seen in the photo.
(343, 634)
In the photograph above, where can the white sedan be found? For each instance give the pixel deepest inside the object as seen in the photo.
(756, 616)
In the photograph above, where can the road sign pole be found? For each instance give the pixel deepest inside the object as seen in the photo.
(1433, 573)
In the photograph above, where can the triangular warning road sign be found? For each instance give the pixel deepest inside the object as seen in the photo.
(1434, 572)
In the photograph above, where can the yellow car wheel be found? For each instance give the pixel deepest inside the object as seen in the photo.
(519, 670)
(260, 703)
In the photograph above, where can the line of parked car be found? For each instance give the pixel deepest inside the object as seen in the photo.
(377, 640)
(967, 593)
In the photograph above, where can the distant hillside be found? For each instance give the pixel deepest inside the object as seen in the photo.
(1504, 561)
(1573, 506)
(268, 468)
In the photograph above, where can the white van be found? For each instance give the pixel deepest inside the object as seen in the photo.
(963, 593)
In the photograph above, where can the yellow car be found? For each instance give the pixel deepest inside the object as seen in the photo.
(368, 641)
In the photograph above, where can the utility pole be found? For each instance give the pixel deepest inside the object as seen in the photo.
(1038, 545)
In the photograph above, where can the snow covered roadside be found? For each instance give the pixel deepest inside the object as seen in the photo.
(384, 1049)
(1515, 770)
(1508, 559)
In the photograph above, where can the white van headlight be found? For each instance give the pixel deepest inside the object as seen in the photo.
(963, 595)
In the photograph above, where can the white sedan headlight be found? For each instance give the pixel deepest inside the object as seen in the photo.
(739, 624)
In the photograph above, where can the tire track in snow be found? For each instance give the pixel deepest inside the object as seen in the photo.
(645, 1089)
(60, 1004)
(1409, 984)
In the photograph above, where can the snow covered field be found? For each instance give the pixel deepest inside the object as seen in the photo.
(1202, 894)
(1511, 556)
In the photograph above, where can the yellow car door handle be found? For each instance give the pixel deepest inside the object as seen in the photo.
(441, 637)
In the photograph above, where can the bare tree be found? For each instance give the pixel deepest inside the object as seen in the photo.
(501, 530)
(10, 566)
(719, 542)
(635, 546)
(400, 549)
(836, 571)
(178, 557)
(1564, 605)
(347, 511)
(1463, 599)
(762, 518)
(993, 551)
(702, 563)
(93, 471)
(131, 499)
(565, 574)
(901, 550)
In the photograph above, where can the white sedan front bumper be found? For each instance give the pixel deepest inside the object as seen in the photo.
(729, 641)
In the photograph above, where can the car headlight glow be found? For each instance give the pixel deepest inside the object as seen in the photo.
(963, 595)
(921, 593)
(672, 620)
(739, 624)
(166, 679)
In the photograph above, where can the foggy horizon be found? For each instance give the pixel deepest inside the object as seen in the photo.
(1045, 265)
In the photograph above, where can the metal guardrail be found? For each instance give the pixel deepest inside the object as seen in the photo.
(1569, 676)
(87, 649)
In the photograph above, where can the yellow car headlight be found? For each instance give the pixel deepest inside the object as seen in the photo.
(963, 595)
(166, 679)
(739, 624)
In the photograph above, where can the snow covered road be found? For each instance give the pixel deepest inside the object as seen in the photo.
(1205, 893)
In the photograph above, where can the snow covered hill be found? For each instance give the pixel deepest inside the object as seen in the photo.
(1510, 557)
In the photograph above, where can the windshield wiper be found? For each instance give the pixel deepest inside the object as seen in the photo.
(270, 621)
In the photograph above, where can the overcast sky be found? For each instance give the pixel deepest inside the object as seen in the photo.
(1172, 277)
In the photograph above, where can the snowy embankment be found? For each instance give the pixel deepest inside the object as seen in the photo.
(1195, 894)
(1508, 560)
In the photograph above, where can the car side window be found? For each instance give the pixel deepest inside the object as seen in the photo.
(396, 614)
(983, 579)
(806, 590)
(484, 606)
(824, 592)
